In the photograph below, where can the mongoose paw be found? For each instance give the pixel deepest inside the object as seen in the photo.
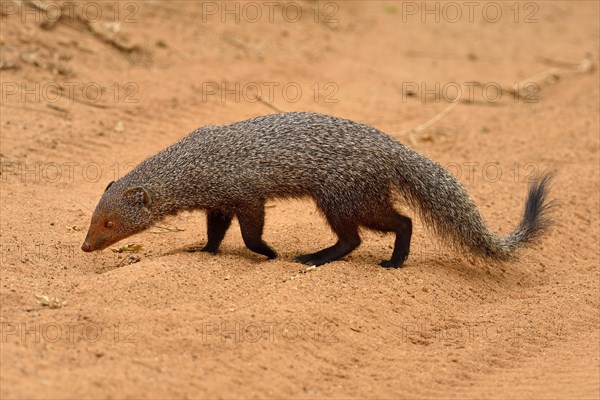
(209, 249)
(311, 259)
(305, 259)
(390, 264)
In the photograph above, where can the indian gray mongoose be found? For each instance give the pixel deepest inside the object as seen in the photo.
(351, 170)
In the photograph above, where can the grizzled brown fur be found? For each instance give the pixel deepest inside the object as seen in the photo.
(351, 170)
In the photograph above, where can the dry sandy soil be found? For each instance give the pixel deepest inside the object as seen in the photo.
(164, 322)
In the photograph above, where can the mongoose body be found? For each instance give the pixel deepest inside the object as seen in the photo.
(351, 170)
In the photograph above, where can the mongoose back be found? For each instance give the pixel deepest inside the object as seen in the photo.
(351, 171)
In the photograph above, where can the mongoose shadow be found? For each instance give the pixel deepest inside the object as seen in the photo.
(352, 171)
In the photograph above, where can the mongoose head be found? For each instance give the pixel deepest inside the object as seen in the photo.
(121, 212)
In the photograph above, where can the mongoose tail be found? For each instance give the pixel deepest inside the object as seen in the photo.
(444, 204)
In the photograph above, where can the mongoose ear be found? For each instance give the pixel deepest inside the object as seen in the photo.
(109, 185)
(139, 193)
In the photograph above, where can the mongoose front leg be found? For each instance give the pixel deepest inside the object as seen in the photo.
(217, 223)
(348, 240)
(252, 220)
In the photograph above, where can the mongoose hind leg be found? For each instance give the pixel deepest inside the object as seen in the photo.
(390, 220)
(217, 223)
(348, 240)
(252, 221)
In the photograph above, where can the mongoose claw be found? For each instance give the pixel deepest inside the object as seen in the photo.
(305, 259)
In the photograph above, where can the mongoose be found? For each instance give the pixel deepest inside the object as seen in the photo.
(351, 171)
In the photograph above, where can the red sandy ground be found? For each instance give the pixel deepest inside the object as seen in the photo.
(166, 323)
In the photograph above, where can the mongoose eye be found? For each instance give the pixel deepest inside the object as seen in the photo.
(108, 224)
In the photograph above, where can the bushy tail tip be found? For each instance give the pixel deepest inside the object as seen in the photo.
(444, 204)
(535, 216)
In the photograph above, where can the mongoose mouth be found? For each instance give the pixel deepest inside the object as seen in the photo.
(99, 244)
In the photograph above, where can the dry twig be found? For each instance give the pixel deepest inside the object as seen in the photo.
(547, 76)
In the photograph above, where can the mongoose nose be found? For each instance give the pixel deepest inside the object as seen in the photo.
(86, 247)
